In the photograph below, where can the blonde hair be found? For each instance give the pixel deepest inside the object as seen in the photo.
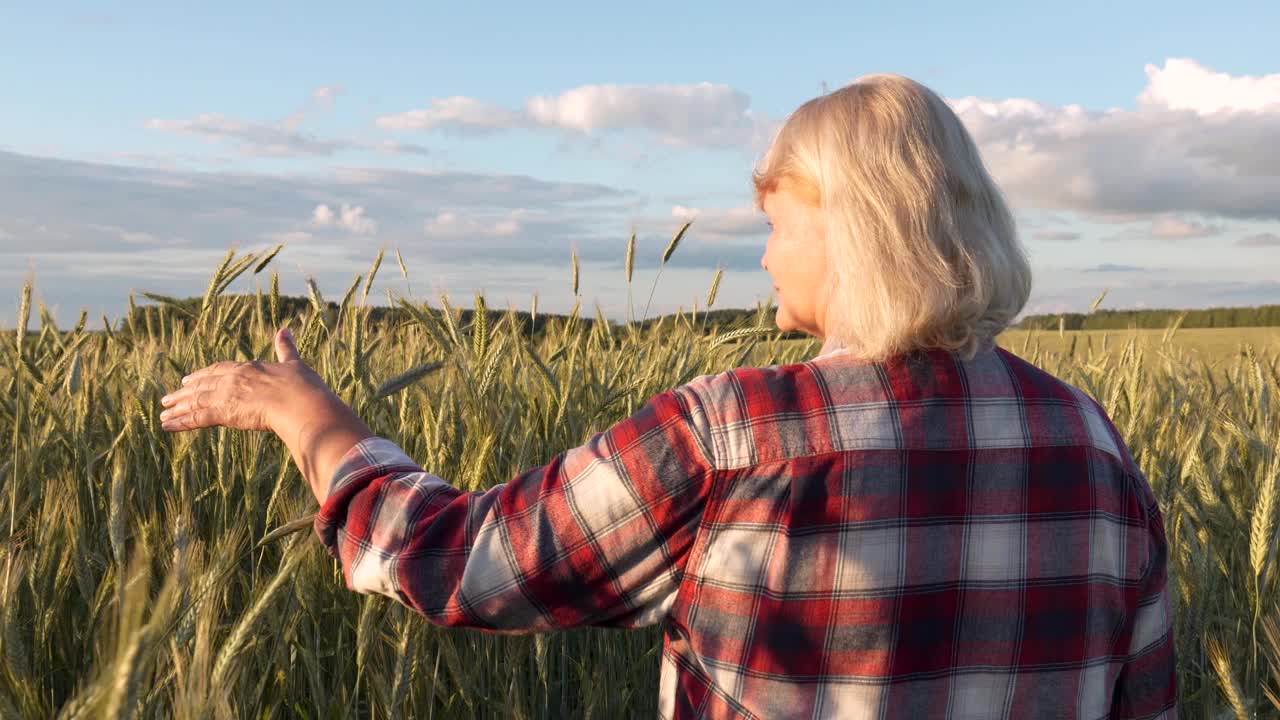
(922, 249)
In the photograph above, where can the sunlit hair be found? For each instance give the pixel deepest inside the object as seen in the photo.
(922, 249)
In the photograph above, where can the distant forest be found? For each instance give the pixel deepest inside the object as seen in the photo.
(1260, 316)
(183, 311)
(719, 320)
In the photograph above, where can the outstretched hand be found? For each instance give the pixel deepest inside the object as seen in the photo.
(245, 395)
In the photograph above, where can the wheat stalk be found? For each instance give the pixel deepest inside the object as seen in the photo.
(1221, 663)
(377, 262)
(267, 259)
(740, 333)
(1262, 528)
(405, 379)
(403, 272)
(575, 272)
(222, 667)
(275, 299)
(666, 255)
(715, 285)
(450, 323)
(480, 328)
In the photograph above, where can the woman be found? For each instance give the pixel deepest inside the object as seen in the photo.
(914, 523)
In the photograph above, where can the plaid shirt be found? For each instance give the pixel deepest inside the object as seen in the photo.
(926, 537)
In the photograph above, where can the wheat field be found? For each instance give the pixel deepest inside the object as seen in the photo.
(176, 576)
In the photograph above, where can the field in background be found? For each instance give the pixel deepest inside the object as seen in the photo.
(1214, 346)
(1209, 344)
(176, 576)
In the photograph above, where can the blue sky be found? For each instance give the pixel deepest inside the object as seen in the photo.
(1137, 142)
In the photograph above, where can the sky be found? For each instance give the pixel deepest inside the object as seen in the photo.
(1137, 143)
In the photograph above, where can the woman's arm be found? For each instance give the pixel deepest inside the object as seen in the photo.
(318, 433)
(598, 536)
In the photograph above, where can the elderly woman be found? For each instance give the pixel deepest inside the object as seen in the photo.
(915, 523)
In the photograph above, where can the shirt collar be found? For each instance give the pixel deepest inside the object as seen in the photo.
(831, 346)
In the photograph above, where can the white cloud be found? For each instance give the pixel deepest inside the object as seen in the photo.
(326, 93)
(322, 216)
(1218, 155)
(697, 114)
(705, 114)
(134, 237)
(280, 140)
(1184, 84)
(290, 236)
(457, 114)
(393, 147)
(737, 222)
(353, 219)
(455, 224)
(1164, 226)
(1114, 267)
(1056, 235)
(452, 224)
(349, 218)
(84, 259)
(1263, 239)
(1173, 228)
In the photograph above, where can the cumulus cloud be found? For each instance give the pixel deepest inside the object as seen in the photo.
(282, 138)
(454, 224)
(702, 114)
(134, 237)
(349, 218)
(1174, 228)
(97, 254)
(213, 209)
(1113, 267)
(1197, 141)
(291, 236)
(326, 93)
(457, 114)
(698, 114)
(258, 138)
(1056, 235)
(1184, 84)
(725, 223)
(322, 216)
(1264, 239)
(1164, 227)
(394, 147)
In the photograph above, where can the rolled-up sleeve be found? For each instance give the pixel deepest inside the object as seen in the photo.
(598, 536)
(1147, 685)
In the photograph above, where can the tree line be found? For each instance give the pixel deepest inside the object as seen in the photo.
(533, 325)
(1218, 317)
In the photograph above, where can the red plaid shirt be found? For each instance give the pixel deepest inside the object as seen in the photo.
(926, 537)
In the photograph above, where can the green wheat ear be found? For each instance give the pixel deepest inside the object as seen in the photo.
(631, 256)
(715, 285)
(575, 272)
(675, 242)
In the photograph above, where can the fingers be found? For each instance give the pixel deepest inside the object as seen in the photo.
(202, 418)
(189, 403)
(194, 406)
(285, 350)
(190, 389)
(214, 369)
